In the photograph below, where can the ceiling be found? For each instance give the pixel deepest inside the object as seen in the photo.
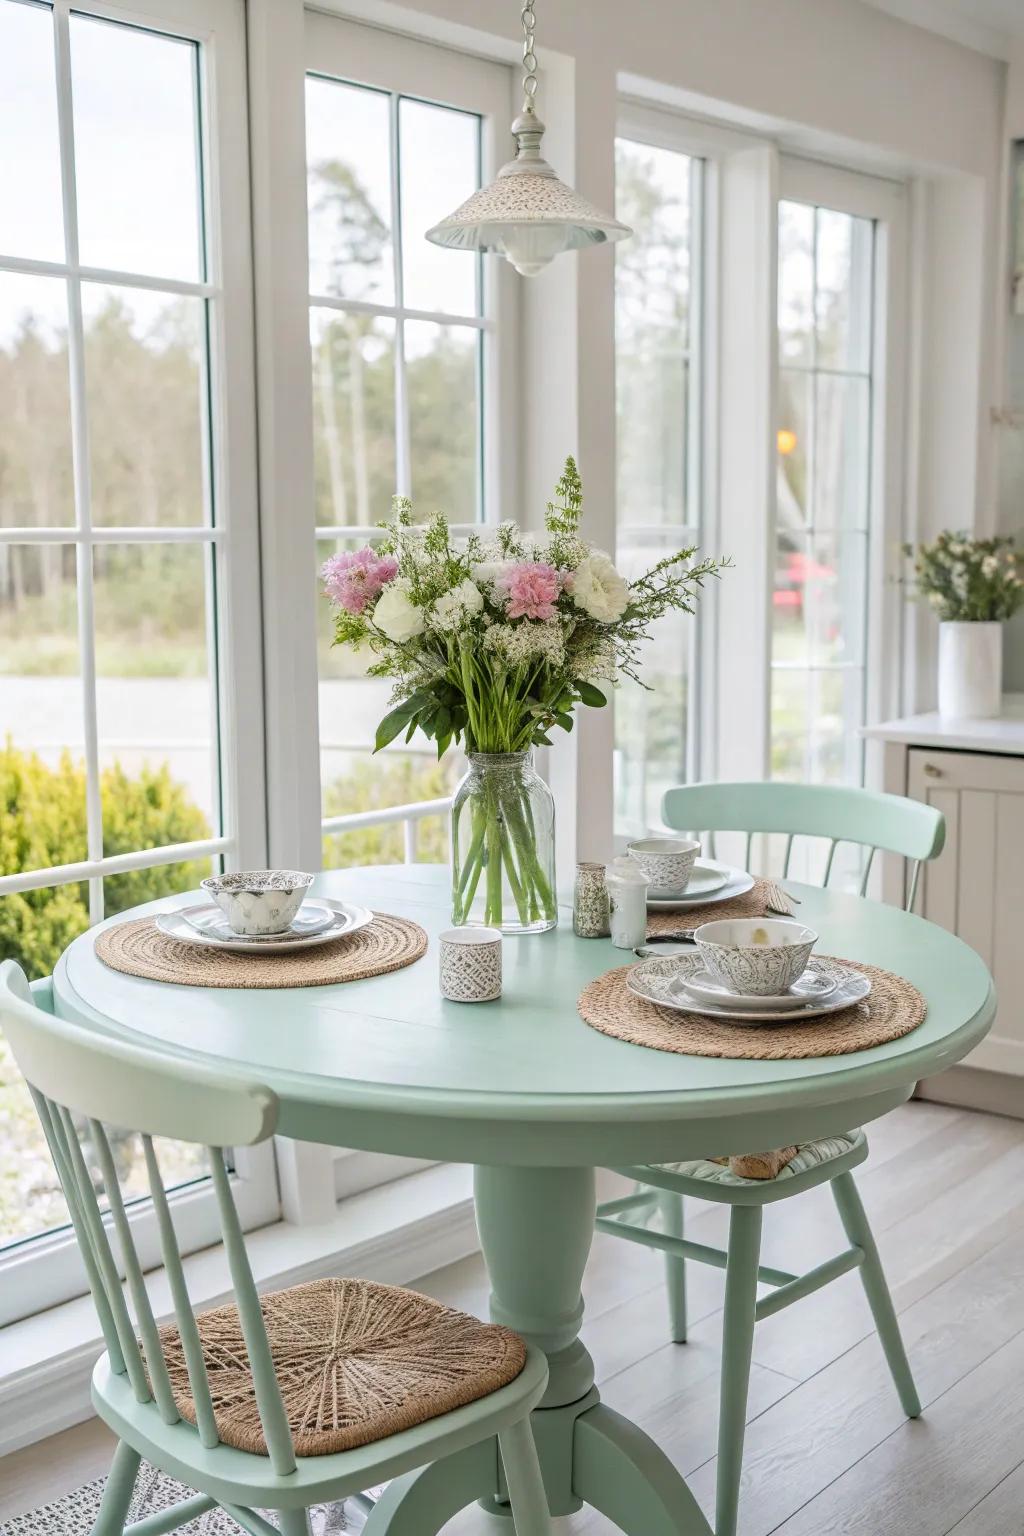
(989, 26)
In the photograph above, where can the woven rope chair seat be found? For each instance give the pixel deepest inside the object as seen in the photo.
(355, 1362)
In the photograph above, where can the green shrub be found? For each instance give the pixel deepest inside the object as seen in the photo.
(372, 785)
(42, 823)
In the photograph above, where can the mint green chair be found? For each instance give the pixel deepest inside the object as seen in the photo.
(832, 812)
(875, 821)
(162, 1389)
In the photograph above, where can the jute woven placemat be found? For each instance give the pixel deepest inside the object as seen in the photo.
(894, 1008)
(138, 948)
(750, 904)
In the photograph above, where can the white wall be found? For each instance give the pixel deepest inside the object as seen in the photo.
(1009, 441)
(834, 79)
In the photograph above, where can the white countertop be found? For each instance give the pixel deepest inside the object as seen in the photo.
(1004, 733)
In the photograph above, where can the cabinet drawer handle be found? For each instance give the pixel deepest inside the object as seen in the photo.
(932, 772)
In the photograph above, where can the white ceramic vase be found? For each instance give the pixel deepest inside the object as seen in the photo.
(970, 670)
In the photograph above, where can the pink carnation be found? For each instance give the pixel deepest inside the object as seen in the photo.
(353, 580)
(532, 590)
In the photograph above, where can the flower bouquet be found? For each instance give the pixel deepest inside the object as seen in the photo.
(493, 643)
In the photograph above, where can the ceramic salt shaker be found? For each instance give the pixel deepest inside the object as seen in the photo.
(627, 899)
(590, 903)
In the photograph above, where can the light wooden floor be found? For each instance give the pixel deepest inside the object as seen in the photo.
(828, 1450)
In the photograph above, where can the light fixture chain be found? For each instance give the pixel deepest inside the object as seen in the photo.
(529, 21)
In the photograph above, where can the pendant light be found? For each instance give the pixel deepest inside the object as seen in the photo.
(527, 214)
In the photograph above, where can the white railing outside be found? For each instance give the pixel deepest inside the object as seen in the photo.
(408, 815)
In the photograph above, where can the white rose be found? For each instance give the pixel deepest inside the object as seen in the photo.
(599, 589)
(395, 615)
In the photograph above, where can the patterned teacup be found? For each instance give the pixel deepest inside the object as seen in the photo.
(666, 861)
(471, 965)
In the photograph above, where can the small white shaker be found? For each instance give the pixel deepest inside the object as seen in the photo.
(627, 898)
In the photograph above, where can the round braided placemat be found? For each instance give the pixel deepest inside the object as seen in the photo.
(894, 1008)
(138, 948)
(750, 904)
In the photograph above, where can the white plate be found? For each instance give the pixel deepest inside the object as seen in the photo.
(817, 982)
(705, 878)
(347, 919)
(737, 884)
(662, 980)
(208, 920)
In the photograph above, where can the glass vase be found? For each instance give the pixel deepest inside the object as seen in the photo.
(503, 845)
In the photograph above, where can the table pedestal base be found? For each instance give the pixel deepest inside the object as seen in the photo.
(536, 1227)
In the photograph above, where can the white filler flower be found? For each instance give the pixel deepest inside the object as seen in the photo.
(599, 589)
(395, 615)
(453, 608)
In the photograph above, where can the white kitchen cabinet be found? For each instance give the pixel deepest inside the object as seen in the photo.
(973, 772)
(975, 888)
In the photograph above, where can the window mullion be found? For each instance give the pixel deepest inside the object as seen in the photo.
(80, 453)
(403, 473)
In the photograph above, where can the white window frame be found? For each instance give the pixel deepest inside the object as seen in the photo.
(46, 1270)
(884, 202)
(314, 1178)
(662, 129)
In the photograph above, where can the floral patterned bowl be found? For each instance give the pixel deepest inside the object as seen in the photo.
(755, 956)
(259, 901)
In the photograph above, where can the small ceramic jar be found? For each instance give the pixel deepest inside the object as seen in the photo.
(471, 965)
(590, 903)
(627, 897)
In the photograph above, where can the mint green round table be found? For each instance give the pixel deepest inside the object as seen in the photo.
(524, 1090)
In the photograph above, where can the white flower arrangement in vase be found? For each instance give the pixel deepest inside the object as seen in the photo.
(974, 586)
(494, 643)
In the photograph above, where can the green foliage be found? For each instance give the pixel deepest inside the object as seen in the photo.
(564, 513)
(43, 825)
(968, 580)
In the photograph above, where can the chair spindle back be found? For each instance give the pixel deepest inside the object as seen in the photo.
(83, 1084)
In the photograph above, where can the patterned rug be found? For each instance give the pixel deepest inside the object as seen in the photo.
(75, 1514)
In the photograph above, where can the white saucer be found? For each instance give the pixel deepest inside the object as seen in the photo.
(817, 982)
(663, 980)
(705, 878)
(346, 919)
(208, 920)
(737, 883)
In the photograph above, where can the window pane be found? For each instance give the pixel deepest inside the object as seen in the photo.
(796, 284)
(816, 716)
(442, 370)
(820, 595)
(42, 777)
(136, 149)
(353, 416)
(348, 138)
(144, 406)
(440, 160)
(155, 695)
(650, 749)
(36, 486)
(31, 219)
(658, 465)
(843, 294)
(652, 297)
(819, 604)
(793, 439)
(842, 451)
(352, 778)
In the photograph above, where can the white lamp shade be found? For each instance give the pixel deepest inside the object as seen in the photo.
(529, 218)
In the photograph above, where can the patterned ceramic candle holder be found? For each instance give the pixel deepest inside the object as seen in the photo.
(590, 903)
(471, 965)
